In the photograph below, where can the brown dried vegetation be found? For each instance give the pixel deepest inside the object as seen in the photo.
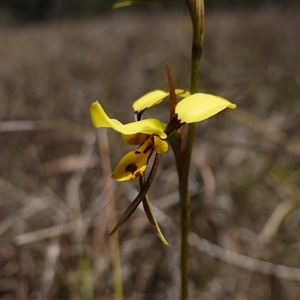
(244, 174)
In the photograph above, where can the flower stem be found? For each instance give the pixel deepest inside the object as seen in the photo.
(196, 8)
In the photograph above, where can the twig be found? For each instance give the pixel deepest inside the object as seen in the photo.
(209, 182)
(73, 185)
(111, 212)
(73, 201)
(52, 253)
(244, 261)
(230, 257)
(266, 129)
(282, 210)
(51, 232)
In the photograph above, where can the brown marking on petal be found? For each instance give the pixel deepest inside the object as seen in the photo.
(150, 146)
(131, 168)
(138, 174)
(150, 154)
(139, 114)
(137, 152)
(173, 125)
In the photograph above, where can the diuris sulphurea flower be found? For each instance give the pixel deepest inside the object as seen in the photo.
(150, 134)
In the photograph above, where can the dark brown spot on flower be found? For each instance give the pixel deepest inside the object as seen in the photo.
(138, 174)
(150, 146)
(139, 114)
(173, 125)
(131, 168)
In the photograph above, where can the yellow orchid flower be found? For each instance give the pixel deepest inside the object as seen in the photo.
(150, 134)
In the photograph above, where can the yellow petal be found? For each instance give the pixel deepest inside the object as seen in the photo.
(154, 98)
(99, 117)
(198, 107)
(182, 93)
(124, 3)
(148, 126)
(134, 163)
(134, 139)
(150, 99)
(160, 146)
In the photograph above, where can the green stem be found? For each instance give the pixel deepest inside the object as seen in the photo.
(185, 213)
(196, 8)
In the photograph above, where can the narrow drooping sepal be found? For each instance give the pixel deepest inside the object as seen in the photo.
(129, 211)
(152, 220)
(200, 106)
(132, 207)
(148, 126)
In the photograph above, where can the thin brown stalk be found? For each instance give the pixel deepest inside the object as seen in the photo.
(111, 211)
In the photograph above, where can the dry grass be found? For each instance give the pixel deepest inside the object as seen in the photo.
(244, 176)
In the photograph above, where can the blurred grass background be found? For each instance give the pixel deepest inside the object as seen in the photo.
(245, 166)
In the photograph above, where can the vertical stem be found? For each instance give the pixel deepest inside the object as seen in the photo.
(196, 8)
(185, 218)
